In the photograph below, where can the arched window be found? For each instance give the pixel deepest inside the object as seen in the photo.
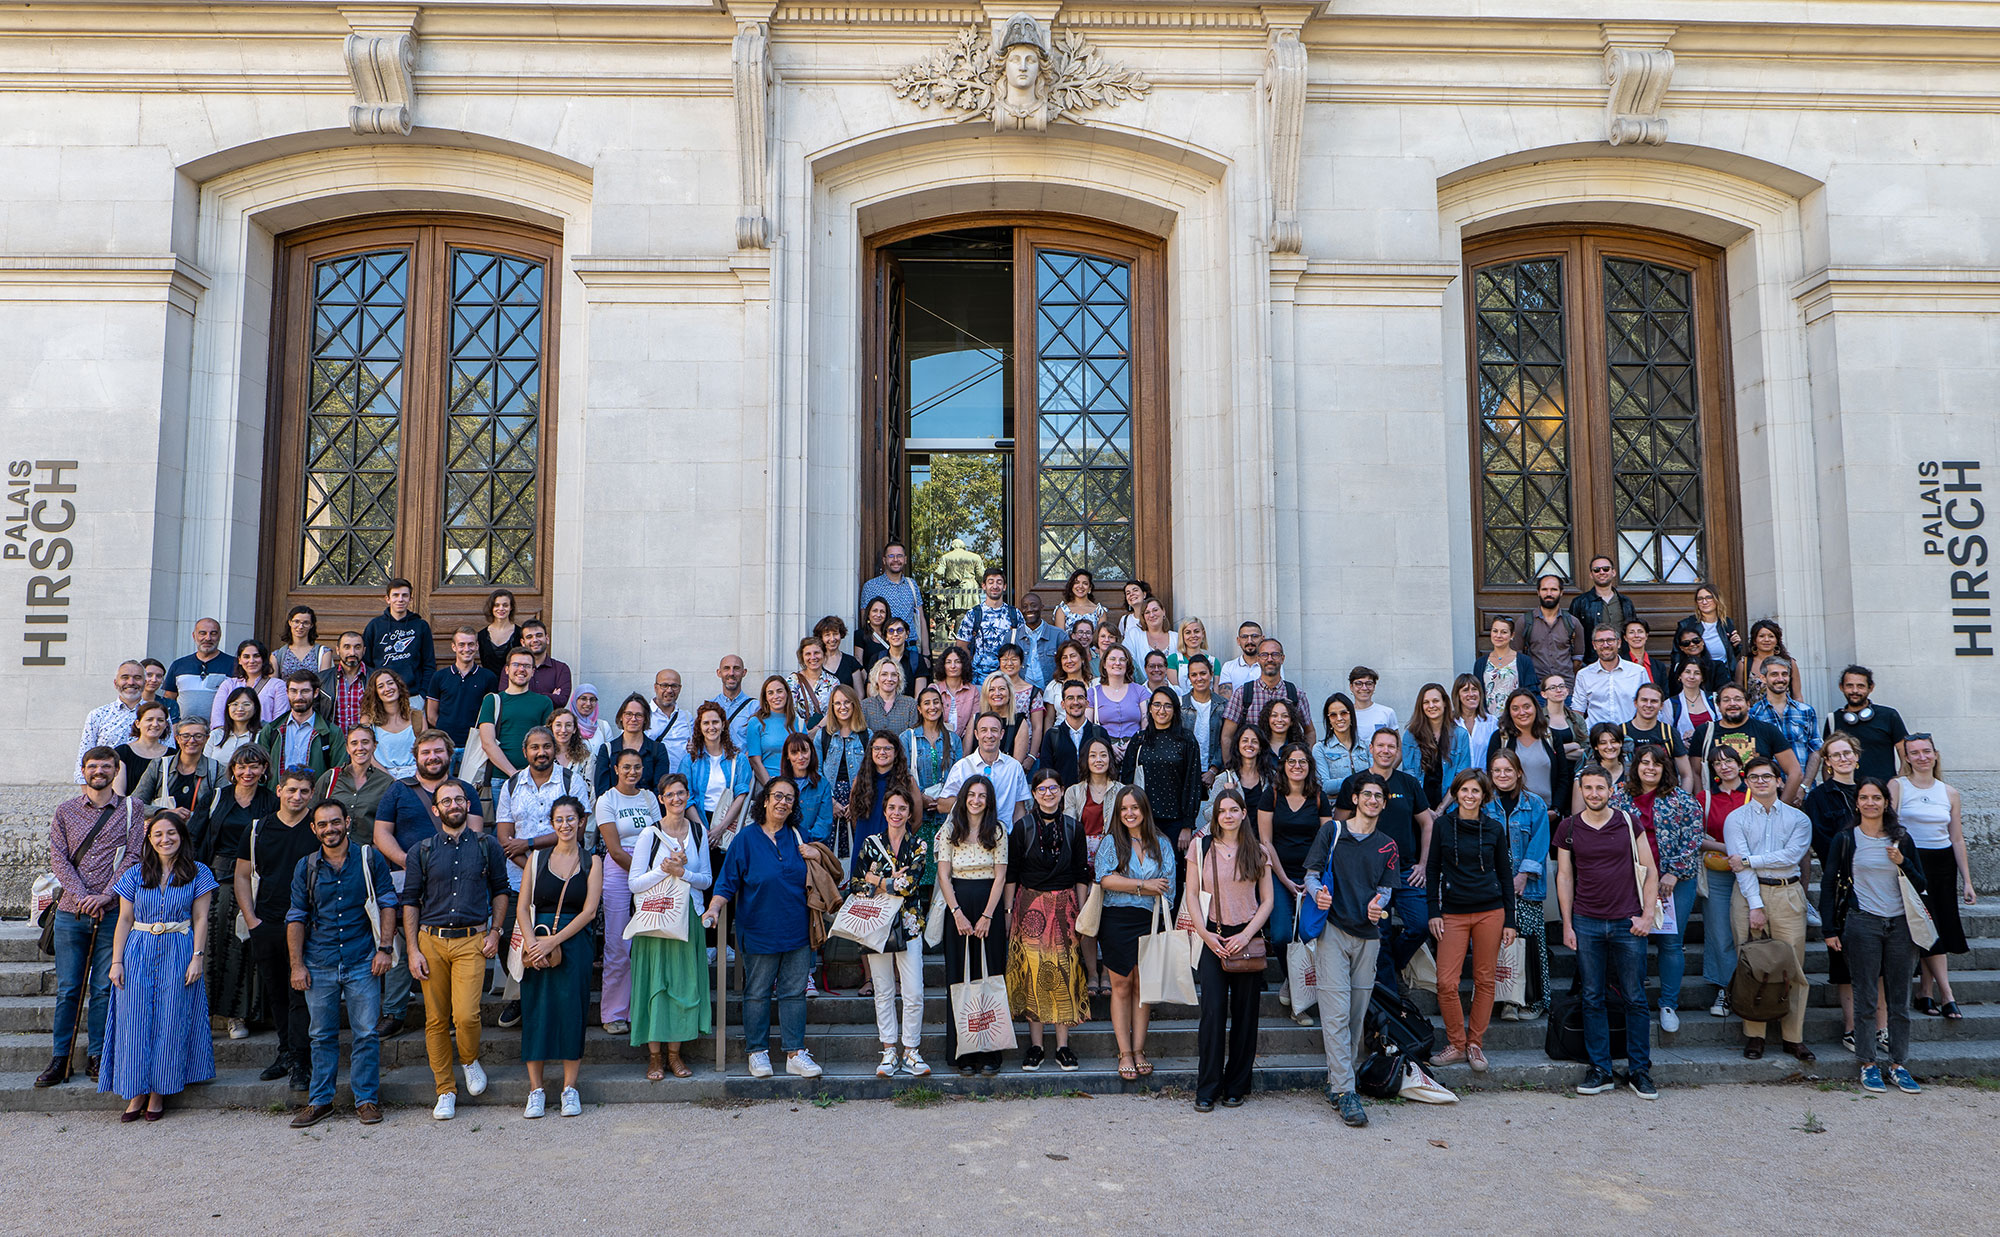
(1600, 417)
(411, 434)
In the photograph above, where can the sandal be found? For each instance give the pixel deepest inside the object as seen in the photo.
(677, 1065)
(1126, 1070)
(1950, 1011)
(1140, 1062)
(654, 1071)
(867, 989)
(1926, 1005)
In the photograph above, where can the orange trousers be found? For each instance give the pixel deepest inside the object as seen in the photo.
(1482, 932)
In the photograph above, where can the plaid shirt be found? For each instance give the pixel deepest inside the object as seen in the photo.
(1246, 704)
(347, 699)
(1799, 725)
(114, 849)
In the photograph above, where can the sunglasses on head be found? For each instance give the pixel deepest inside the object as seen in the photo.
(1925, 736)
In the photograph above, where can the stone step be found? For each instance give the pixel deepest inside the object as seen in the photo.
(409, 1088)
(20, 942)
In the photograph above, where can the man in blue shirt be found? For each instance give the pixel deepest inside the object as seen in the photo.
(737, 704)
(988, 625)
(194, 678)
(342, 916)
(1038, 642)
(453, 696)
(901, 594)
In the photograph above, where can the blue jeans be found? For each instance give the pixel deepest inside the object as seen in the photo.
(788, 971)
(1673, 949)
(1607, 950)
(83, 947)
(1412, 909)
(1718, 939)
(363, 994)
(1279, 926)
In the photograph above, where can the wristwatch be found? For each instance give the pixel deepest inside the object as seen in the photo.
(384, 949)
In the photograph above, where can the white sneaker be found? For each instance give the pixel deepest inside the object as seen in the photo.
(1670, 1019)
(237, 1029)
(812, 989)
(802, 1064)
(760, 1065)
(475, 1078)
(1285, 995)
(572, 1103)
(446, 1108)
(914, 1063)
(1510, 1013)
(1812, 915)
(887, 1068)
(537, 1105)
(1720, 1009)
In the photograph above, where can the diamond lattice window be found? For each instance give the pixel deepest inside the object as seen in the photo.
(493, 424)
(1523, 420)
(1083, 385)
(354, 410)
(1655, 421)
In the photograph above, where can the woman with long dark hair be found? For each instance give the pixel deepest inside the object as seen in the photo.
(1690, 651)
(1525, 816)
(1117, 703)
(1767, 641)
(216, 828)
(242, 717)
(932, 748)
(1830, 807)
(252, 670)
(1088, 803)
(1137, 872)
(1715, 631)
(1229, 890)
(769, 725)
(953, 681)
(1287, 821)
(1545, 768)
(1434, 750)
(1861, 911)
(385, 707)
(1165, 759)
(892, 862)
(719, 778)
(883, 769)
(634, 718)
(1049, 865)
(1077, 602)
(972, 880)
(558, 902)
(500, 635)
(1469, 885)
(1341, 754)
(1671, 819)
(156, 1039)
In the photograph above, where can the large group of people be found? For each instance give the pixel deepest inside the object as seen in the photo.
(278, 838)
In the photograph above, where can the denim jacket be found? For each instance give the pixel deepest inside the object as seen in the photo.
(1528, 838)
(1457, 757)
(735, 775)
(1337, 763)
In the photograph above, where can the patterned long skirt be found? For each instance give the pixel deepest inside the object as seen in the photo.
(1530, 923)
(233, 989)
(1045, 980)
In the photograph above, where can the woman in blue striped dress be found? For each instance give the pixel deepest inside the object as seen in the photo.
(156, 1040)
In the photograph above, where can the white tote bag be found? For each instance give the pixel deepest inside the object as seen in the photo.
(1166, 962)
(472, 765)
(1923, 931)
(664, 909)
(934, 923)
(242, 925)
(1301, 970)
(1422, 973)
(980, 1011)
(1510, 974)
(868, 920)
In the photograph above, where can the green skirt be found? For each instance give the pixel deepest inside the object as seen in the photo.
(670, 990)
(553, 1000)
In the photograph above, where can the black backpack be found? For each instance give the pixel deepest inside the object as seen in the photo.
(1380, 1075)
(1564, 1039)
(1395, 1026)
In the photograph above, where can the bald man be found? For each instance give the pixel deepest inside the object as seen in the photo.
(736, 704)
(111, 724)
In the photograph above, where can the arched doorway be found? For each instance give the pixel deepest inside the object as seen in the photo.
(1017, 407)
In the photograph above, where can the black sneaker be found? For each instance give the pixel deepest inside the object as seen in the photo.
(1031, 1060)
(1351, 1111)
(301, 1081)
(1642, 1086)
(1595, 1082)
(1065, 1057)
(275, 1070)
(510, 1014)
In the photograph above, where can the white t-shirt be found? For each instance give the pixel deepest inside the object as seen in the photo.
(1375, 717)
(630, 813)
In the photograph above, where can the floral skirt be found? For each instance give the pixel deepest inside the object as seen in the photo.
(1045, 980)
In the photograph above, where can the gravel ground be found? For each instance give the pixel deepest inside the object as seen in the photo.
(1529, 1161)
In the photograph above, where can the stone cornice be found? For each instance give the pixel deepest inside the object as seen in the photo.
(143, 277)
(1897, 290)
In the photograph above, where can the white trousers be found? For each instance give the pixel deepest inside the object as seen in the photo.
(886, 972)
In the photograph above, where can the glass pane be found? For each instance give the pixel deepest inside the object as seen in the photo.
(353, 417)
(958, 528)
(1655, 421)
(493, 420)
(1083, 391)
(958, 333)
(1523, 420)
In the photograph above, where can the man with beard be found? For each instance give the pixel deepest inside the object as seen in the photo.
(1553, 633)
(454, 898)
(194, 678)
(1879, 727)
(265, 861)
(93, 838)
(301, 738)
(550, 677)
(1791, 717)
(672, 725)
(1735, 728)
(350, 682)
(337, 930)
(406, 816)
(111, 724)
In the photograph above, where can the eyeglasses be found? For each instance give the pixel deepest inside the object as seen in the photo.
(1765, 776)
(780, 797)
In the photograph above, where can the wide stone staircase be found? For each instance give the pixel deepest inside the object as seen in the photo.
(841, 1034)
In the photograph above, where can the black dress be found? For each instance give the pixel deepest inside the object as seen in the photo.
(553, 998)
(216, 828)
(494, 656)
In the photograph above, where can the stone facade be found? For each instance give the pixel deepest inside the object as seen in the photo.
(712, 168)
